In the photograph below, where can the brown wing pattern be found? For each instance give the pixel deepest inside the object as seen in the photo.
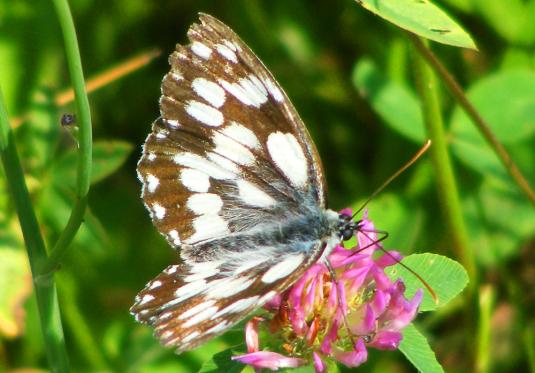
(219, 107)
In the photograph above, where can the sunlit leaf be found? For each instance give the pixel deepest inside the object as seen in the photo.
(422, 18)
(416, 349)
(445, 276)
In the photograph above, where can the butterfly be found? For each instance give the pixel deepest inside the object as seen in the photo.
(232, 179)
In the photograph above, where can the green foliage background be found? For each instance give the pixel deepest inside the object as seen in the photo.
(349, 74)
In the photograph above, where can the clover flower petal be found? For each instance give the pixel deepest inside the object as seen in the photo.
(269, 360)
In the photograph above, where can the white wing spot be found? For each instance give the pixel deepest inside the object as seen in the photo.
(205, 266)
(248, 265)
(274, 90)
(217, 328)
(202, 271)
(159, 211)
(257, 94)
(235, 47)
(187, 291)
(237, 91)
(196, 309)
(282, 269)
(224, 163)
(166, 334)
(201, 164)
(226, 52)
(176, 75)
(171, 269)
(228, 286)
(208, 227)
(258, 84)
(289, 157)
(205, 203)
(201, 316)
(146, 299)
(241, 134)
(246, 91)
(166, 315)
(152, 183)
(267, 297)
(210, 91)
(205, 113)
(155, 284)
(173, 234)
(238, 306)
(194, 180)
(151, 156)
(191, 336)
(229, 148)
(161, 134)
(173, 123)
(201, 50)
(254, 196)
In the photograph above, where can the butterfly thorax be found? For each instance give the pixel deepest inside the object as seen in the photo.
(295, 232)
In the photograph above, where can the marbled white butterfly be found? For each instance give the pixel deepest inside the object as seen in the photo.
(233, 180)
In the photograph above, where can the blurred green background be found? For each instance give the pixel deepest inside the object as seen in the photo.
(349, 74)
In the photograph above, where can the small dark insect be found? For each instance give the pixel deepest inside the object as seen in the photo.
(68, 120)
(440, 31)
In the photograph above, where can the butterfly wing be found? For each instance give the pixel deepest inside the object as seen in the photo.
(232, 179)
(224, 118)
(188, 305)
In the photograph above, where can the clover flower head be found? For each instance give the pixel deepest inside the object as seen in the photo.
(320, 319)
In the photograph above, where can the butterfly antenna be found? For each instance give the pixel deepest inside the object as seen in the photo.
(413, 272)
(414, 158)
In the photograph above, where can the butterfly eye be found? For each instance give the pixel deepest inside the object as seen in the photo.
(347, 233)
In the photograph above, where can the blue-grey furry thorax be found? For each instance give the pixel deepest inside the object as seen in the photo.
(292, 232)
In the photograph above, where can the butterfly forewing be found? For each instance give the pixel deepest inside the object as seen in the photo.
(232, 179)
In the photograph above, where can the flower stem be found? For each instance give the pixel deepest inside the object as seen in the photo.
(85, 138)
(45, 291)
(446, 184)
(486, 307)
(471, 111)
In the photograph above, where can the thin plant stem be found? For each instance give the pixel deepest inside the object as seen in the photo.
(529, 343)
(74, 63)
(484, 330)
(45, 291)
(446, 184)
(472, 112)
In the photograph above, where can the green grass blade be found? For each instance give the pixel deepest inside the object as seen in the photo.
(46, 294)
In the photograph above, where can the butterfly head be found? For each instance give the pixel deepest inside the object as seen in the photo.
(347, 226)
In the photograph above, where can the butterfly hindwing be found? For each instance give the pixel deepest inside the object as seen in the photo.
(189, 304)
